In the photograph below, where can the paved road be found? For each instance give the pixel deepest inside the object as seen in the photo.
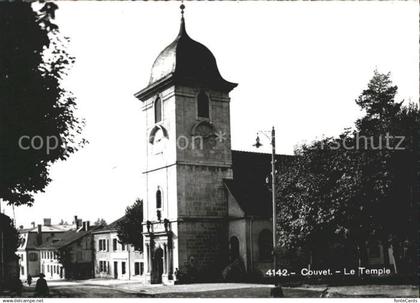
(92, 291)
(131, 289)
(136, 290)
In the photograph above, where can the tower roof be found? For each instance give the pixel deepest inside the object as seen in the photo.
(186, 62)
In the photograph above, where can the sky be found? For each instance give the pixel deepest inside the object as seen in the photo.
(299, 65)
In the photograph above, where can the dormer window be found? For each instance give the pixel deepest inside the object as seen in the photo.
(158, 110)
(203, 110)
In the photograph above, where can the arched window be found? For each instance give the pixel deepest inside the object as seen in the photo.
(203, 105)
(158, 110)
(265, 245)
(234, 248)
(158, 199)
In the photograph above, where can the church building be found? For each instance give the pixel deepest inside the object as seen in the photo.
(205, 205)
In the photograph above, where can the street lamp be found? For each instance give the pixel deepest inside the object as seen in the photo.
(258, 144)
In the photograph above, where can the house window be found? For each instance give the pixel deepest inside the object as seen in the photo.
(103, 266)
(102, 245)
(22, 270)
(136, 268)
(123, 268)
(158, 110)
(265, 245)
(122, 246)
(203, 105)
(114, 244)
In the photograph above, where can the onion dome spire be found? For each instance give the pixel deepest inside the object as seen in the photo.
(185, 62)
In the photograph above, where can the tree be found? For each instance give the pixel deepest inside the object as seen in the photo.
(38, 125)
(100, 221)
(62, 222)
(10, 238)
(130, 226)
(346, 191)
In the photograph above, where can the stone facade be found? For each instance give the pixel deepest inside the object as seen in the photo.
(189, 175)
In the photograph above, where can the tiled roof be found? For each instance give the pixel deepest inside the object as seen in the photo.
(64, 239)
(249, 185)
(49, 228)
(112, 227)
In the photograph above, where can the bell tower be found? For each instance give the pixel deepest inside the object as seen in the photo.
(188, 155)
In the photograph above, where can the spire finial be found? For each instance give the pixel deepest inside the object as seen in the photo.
(182, 7)
(182, 30)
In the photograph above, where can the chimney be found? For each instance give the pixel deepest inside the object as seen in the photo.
(76, 222)
(47, 221)
(84, 226)
(33, 224)
(39, 235)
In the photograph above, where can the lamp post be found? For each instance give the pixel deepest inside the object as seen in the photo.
(273, 184)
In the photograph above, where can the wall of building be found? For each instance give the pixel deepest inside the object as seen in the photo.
(201, 192)
(237, 228)
(165, 180)
(214, 152)
(161, 157)
(81, 258)
(32, 262)
(203, 247)
(114, 259)
(50, 266)
(258, 225)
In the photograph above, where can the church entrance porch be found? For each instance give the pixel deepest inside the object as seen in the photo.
(158, 254)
